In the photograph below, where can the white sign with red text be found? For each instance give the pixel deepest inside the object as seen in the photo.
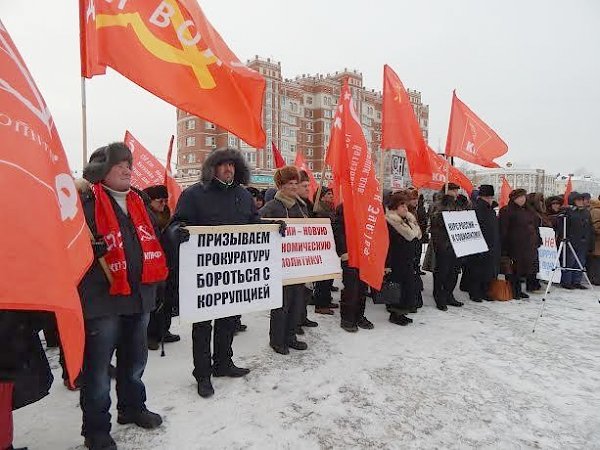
(547, 255)
(308, 252)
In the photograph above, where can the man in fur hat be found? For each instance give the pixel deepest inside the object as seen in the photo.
(219, 199)
(118, 293)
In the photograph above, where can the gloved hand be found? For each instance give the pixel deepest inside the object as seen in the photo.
(183, 235)
(99, 247)
(282, 227)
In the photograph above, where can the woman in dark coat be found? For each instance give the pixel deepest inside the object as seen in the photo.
(537, 204)
(405, 238)
(520, 237)
(25, 375)
(285, 320)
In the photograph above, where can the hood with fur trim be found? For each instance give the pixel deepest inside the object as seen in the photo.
(242, 172)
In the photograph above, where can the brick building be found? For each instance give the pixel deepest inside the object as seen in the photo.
(297, 117)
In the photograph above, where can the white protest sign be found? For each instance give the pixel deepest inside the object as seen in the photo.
(229, 270)
(464, 232)
(308, 252)
(547, 255)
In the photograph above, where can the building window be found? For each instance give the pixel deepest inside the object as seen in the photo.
(310, 165)
(190, 124)
(327, 126)
(293, 148)
(294, 106)
(285, 131)
(232, 141)
(283, 101)
(309, 100)
(190, 141)
(293, 133)
(309, 126)
(309, 152)
(327, 114)
(285, 145)
(309, 138)
(191, 158)
(379, 115)
(209, 141)
(209, 126)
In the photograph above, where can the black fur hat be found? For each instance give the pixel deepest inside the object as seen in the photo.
(104, 158)
(486, 190)
(157, 191)
(223, 155)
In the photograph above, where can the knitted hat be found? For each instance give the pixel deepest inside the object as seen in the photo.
(157, 192)
(486, 190)
(285, 175)
(517, 193)
(104, 158)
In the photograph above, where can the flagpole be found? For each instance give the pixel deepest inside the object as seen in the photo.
(84, 121)
(447, 173)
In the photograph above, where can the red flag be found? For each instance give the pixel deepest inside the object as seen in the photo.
(505, 191)
(400, 127)
(301, 165)
(277, 158)
(568, 190)
(443, 171)
(173, 187)
(470, 138)
(170, 49)
(147, 170)
(44, 239)
(364, 218)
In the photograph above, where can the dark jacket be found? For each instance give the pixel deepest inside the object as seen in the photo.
(308, 207)
(277, 208)
(405, 235)
(94, 287)
(22, 358)
(520, 238)
(339, 233)
(439, 235)
(487, 265)
(580, 230)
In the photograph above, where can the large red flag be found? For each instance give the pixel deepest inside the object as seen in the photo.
(505, 191)
(277, 158)
(300, 163)
(173, 187)
(470, 138)
(44, 240)
(147, 170)
(170, 49)
(442, 172)
(400, 127)
(568, 190)
(364, 216)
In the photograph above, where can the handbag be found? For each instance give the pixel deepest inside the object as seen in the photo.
(500, 290)
(390, 293)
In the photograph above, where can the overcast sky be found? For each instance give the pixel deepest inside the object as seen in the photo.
(530, 69)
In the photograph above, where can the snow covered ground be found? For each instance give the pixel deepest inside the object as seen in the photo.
(472, 377)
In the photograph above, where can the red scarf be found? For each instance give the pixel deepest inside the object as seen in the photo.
(154, 264)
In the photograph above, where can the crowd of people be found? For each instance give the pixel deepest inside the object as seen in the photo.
(128, 299)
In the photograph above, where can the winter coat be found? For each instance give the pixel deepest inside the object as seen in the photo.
(94, 287)
(580, 230)
(405, 237)
(486, 265)
(520, 238)
(595, 215)
(339, 233)
(281, 208)
(22, 357)
(439, 235)
(307, 207)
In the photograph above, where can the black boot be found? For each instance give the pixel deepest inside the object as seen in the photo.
(309, 323)
(399, 319)
(365, 323)
(348, 326)
(144, 419)
(298, 345)
(170, 337)
(205, 387)
(280, 349)
(231, 371)
(100, 442)
(299, 331)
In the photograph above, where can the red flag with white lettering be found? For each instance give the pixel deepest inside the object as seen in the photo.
(300, 163)
(470, 138)
(400, 128)
(173, 187)
(170, 49)
(364, 216)
(442, 171)
(44, 240)
(147, 170)
(505, 191)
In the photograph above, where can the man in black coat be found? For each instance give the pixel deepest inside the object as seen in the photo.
(218, 200)
(484, 267)
(581, 235)
(117, 298)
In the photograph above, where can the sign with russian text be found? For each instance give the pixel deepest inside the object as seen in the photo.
(464, 233)
(229, 270)
(547, 255)
(308, 252)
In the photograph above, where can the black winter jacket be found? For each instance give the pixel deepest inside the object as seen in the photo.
(487, 265)
(94, 287)
(580, 230)
(277, 209)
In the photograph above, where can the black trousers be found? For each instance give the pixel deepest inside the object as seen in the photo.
(284, 320)
(322, 293)
(160, 322)
(445, 276)
(353, 296)
(202, 332)
(517, 285)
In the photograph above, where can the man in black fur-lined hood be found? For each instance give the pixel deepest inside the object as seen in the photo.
(219, 199)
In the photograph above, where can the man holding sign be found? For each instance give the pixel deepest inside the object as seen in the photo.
(218, 200)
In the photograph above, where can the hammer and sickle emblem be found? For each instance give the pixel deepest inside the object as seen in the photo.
(187, 55)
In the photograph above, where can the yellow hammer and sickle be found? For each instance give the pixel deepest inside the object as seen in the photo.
(188, 55)
(398, 97)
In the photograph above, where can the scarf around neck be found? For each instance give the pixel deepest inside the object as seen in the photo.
(406, 227)
(154, 267)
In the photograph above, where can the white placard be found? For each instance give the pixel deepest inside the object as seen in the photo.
(465, 233)
(308, 252)
(547, 255)
(229, 270)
